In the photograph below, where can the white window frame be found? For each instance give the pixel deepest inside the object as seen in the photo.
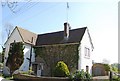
(87, 52)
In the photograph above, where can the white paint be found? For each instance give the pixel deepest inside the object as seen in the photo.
(83, 61)
(25, 65)
(16, 36)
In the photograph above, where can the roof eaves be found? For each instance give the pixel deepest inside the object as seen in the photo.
(90, 39)
(20, 34)
(58, 44)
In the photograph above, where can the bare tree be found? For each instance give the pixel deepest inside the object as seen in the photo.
(8, 27)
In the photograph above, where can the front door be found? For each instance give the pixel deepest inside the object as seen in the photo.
(39, 69)
(87, 69)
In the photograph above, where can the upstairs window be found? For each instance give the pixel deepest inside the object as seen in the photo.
(87, 52)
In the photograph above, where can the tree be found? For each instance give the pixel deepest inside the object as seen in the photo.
(15, 57)
(3, 53)
(8, 29)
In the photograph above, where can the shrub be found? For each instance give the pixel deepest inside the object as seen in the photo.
(61, 70)
(88, 76)
(80, 75)
(107, 67)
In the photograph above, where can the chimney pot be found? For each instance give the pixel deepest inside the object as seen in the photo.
(66, 30)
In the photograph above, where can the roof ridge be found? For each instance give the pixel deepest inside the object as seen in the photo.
(61, 31)
(25, 30)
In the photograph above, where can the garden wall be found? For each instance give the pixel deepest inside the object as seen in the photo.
(21, 77)
(50, 55)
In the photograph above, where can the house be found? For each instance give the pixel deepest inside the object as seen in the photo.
(73, 46)
(28, 38)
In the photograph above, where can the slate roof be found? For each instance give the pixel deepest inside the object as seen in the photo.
(27, 36)
(75, 36)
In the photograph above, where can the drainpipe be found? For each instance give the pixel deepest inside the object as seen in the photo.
(79, 60)
(30, 53)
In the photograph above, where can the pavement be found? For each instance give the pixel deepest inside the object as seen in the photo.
(1, 78)
(101, 77)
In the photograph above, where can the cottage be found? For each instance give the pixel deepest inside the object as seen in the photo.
(28, 38)
(73, 46)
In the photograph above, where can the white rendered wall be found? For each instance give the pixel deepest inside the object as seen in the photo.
(25, 65)
(83, 61)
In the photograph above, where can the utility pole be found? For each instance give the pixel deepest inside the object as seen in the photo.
(67, 9)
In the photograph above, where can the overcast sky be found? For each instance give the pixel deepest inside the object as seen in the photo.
(100, 17)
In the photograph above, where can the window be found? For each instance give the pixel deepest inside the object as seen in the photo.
(87, 52)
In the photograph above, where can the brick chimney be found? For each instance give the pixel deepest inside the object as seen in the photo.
(66, 30)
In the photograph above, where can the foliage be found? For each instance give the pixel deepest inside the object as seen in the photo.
(15, 56)
(29, 72)
(116, 78)
(114, 67)
(107, 67)
(80, 75)
(3, 53)
(1, 65)
(88, 76)
(54, 53)
(61, 70)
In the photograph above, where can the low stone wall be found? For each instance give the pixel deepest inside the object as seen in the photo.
(23, 77)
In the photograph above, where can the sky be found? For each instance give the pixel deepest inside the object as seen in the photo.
(101, 18)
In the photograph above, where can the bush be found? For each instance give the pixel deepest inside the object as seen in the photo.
(80, 75)
(88, 76)
(61, 70)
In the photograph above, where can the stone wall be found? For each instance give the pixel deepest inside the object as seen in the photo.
(20, 77)
(50, 55)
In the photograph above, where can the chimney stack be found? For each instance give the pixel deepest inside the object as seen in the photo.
(66, 30)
